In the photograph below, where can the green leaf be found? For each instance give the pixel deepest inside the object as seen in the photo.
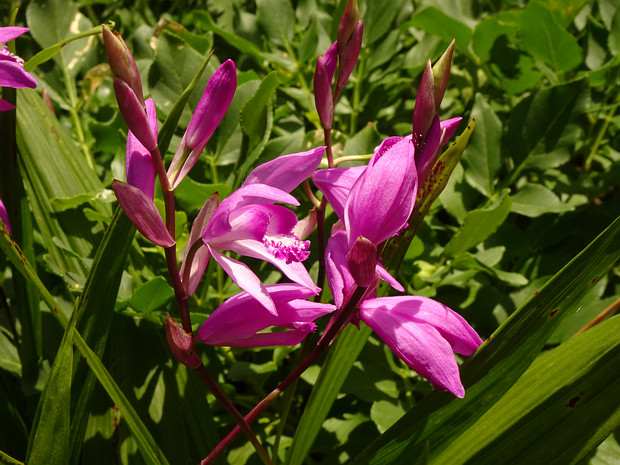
(570, 393)
(152, 295)
(437, 23)
(277, 19)
(191, 195)
(613, 40)
(479, 224)
(544, 122)
(440, 419)
(51, 431)
(535, 199)
(378, 19)
(482, 159)
(486, 34)
(334, 372)
(385, 413)
(546, 40)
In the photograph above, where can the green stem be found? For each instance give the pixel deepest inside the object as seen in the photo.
(601, 134)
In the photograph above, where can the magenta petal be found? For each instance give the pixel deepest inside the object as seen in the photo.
(448, 128)
(11, 32)
(4, 217)
(13, 74)
(336, 184)
(143, 214)
(339, 277)
(388, 278)
(213, 105)
(350, 54)
(330, 60)
(382, 198)
(420, 345)
(323, 95)
(238, 321)
(6, 106)
(245, 278)
(201, 258)
(426, 155)
(138, 161)
(288, 171)
(134, 115)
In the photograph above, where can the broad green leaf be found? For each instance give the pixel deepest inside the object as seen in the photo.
(277, 19)
(479, 224)
(535, 199)
(546, 40)
(564, 11)
(571, 393)
(385, 413)
(147, 445)
(438, 23)
(378, 19)
(544, 122)
(152, 295)
(497, 365)
(55, 168)
(49, 439)
(363, 142)
(486, 34)
(482, 159)
(191, 195)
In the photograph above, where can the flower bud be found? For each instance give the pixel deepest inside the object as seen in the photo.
(181, 344)
(132, 110)
(424, 110)
(441, 74)
(347, 25)
(323, 95)
(122, 62)
(349, 56)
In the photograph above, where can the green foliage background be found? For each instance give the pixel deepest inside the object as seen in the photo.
(513, 243)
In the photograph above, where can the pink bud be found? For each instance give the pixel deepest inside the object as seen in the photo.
(142, 212)
(323, 95)
(121, 61)
(441, 74)
(347, 25)
(181, 344)
(138, 161)
(424, 110)
(132, 110)
(349, 56)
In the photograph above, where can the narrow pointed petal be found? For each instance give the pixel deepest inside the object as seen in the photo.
(13, 74)
(448, 129)
(339, 277)
(138, 161)
(238, 320)
(4, 217)
(11, 32)
(288, 171)
(199, 263)
(6, 106)
(382, 199)
(142, 212)
(241, 274)
(388, 278)
(134, 115)
(349, 56)
(425, 109)
(336, 184)
(305, 226)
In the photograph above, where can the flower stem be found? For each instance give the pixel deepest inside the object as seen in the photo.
(330, 334)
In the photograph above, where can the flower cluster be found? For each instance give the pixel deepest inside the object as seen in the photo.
(373, 203)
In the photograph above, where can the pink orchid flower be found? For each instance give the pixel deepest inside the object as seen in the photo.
(424, 334)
